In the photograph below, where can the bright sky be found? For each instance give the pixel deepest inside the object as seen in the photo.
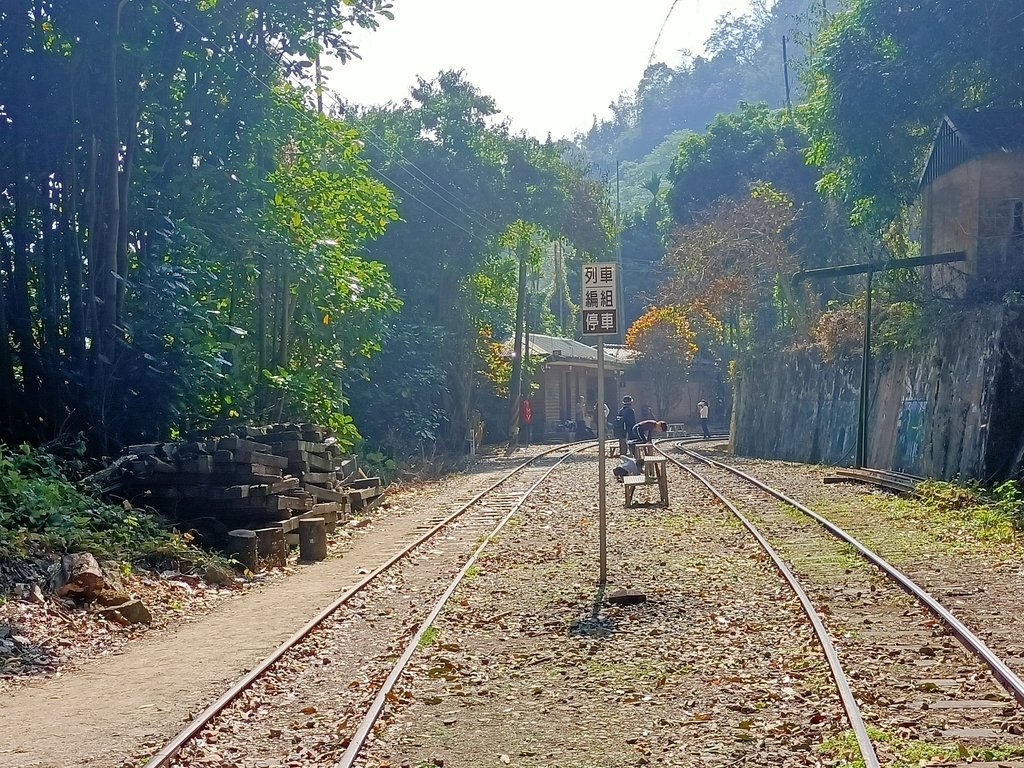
(551, 65)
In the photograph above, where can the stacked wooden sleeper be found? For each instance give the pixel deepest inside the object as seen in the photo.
(253, 478)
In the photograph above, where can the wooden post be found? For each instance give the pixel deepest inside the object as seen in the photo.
(272, 547)
(79, 576)
(242, 544)
(312, 539)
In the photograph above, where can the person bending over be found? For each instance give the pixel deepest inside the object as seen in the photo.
(628, 466)
(643, 431)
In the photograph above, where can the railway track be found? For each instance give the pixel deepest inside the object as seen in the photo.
(316, 683)
(896, 660)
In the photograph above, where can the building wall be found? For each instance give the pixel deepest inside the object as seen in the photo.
(951, 408)
(1000, 251)
(971, 209)
(560, 384)
(951, 224)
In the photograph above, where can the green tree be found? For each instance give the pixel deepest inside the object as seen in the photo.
(145, 154)
(463, 182)
(880, 79)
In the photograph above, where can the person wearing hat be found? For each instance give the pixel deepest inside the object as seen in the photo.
(625, 420)
(702, 414)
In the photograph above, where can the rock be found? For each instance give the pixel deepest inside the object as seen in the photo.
(112, 597)
(133, 611)
(216, 574)
(36, 595)
(113, 575)
(627, 597)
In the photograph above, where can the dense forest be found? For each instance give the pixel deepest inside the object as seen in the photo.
(194, 231)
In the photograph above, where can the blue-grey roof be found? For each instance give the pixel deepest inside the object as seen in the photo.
(970, 133)
(558, 348)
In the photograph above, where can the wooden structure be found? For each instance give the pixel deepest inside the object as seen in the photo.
(569, 370)
(253, 479)
(972, 194)
(655, 473)
(312, 539)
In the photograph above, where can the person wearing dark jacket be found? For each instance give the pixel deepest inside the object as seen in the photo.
(643, 431)
(625, 420)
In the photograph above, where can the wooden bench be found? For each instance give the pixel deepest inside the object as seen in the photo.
(655, 473)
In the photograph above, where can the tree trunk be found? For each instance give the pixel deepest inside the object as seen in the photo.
(515, 385)
(18, 299)
(79, 576)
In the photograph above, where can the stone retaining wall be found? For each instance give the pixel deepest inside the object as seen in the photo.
(954, 407)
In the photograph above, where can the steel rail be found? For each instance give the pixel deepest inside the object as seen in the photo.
(373, 713)
(893, 481)
(1006, 676)
(186, 734)
(867, 749)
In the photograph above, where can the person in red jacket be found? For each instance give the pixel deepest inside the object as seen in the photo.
(526, 418)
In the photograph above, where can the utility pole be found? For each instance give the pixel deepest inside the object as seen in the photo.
(785, 75)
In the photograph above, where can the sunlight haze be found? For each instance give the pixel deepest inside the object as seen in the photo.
(550, 65)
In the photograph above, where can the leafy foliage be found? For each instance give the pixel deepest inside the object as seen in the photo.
(880, 79)
(743, 62)
(736, 260)
(468, 193)
(39, 507)
(664, 341)
(164, 196)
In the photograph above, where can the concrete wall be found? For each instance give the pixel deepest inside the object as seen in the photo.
(970, 209)
(1000, 250)
(950, 223)
(953, 408)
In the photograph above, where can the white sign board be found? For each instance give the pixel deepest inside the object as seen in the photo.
(600, 298)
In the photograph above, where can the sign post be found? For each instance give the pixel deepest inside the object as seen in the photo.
(601, 317)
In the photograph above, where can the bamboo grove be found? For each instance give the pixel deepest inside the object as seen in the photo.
(188, 233)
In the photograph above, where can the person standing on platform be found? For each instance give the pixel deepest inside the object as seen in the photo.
(582, 430)
(702, 414)
(625, 420)
(599, 410)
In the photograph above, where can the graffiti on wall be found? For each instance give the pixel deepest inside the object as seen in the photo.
(909, 435)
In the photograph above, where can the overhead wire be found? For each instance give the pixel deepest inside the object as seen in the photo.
(208, 38)
(384, 145)
(450, 199)
(664, 24)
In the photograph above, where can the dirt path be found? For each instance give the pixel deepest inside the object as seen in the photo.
(115, 711)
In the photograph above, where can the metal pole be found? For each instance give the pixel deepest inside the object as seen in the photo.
(865, 373)
(620, 288)
(601, 429)
(785, 77)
